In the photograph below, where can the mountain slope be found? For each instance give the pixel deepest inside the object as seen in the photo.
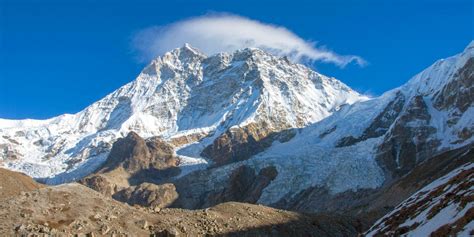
(13, 183)
(443, 208)
(395, 131)
(184, 97)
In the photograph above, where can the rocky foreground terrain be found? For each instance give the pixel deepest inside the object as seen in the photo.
(73, 209)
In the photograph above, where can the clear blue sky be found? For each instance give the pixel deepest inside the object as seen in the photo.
(60, 56)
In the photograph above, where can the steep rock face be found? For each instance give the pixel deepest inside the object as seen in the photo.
(409, 141)
(458, 93)
(457, 97)
(443, 208)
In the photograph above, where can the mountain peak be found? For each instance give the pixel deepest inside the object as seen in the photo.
(182, 96)
(439, 74)
(186, 53)
(188, 48)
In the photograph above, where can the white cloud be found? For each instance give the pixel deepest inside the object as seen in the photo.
(226, 33)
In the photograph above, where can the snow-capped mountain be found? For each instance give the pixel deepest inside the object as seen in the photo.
(357, 150)
(183, 96)
(236, 114)
(369, 143)
(251, 127)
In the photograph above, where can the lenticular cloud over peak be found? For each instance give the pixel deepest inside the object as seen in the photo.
(225, 33)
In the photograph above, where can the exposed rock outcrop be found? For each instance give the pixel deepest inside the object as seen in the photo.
(238, 144)
(409, 141)
(8, 151)
(181, 140)
(132, 163)
(380, 125)
(422, 175)
(134, 154)
(100, 183)
(148, 195)
(458, 93)
(458, 96)
(243, 185)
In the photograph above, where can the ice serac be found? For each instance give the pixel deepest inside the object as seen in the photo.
(186, 98)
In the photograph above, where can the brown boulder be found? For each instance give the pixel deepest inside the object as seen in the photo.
(100, 184)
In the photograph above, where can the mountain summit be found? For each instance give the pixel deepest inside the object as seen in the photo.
(184, 97)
